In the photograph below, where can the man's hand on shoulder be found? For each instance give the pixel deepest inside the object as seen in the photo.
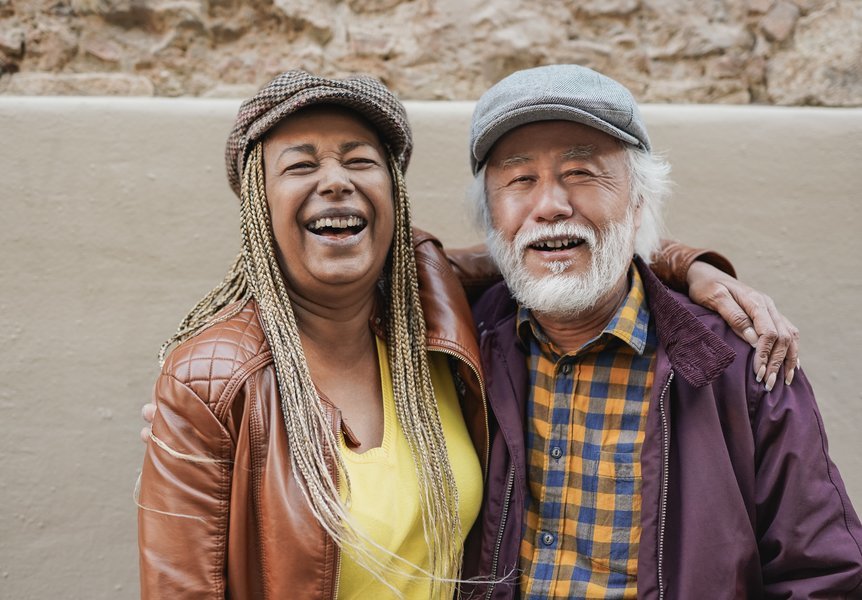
(753, 316)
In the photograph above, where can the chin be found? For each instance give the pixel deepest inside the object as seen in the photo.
(566, 288)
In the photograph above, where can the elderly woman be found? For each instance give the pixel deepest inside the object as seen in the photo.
(321, 428)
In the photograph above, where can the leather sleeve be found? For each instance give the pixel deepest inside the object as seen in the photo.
(183, 499)
(809, 536)
(671, 263)
(477, 270)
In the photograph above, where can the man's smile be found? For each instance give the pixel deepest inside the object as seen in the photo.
(556, 244)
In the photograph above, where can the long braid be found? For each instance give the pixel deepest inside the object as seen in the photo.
(233, 288)
(416, 405)
(313, 445)
(310, 437)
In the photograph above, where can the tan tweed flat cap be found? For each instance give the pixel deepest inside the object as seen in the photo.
(294, 90)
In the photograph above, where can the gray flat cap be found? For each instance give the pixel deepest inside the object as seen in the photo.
(555, 92)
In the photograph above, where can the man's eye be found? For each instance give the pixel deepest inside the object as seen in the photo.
(521, 179)
(578, 173)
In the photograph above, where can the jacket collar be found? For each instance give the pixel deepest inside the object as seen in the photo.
(448, 320)
(694, 350)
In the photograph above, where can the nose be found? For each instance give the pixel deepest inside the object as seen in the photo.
(552, 202)
(334, 180)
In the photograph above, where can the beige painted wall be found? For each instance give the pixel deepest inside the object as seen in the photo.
(117, 217)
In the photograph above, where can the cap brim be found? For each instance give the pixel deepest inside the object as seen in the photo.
(531, 114)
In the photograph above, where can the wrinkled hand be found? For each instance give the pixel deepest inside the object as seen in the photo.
(752, 316)
(148, 411)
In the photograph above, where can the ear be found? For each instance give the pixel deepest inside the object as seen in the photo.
(637, 213)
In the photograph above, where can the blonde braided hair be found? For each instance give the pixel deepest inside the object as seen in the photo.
(312, 444)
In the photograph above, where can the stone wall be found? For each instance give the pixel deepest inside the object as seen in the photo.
(788, 52)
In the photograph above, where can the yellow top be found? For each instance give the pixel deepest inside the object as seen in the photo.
(385, 490)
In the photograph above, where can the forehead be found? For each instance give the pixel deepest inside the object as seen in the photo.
(317, 123)
(551, 137)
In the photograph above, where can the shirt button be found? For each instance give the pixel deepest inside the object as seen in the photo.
(556, 452)
(547, 538)
(566, 369)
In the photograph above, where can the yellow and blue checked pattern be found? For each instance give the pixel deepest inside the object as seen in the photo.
(585, 427)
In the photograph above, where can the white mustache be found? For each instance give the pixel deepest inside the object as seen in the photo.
(557, 292)
(525, 239)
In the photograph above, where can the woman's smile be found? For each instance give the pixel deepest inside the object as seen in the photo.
(341, 227)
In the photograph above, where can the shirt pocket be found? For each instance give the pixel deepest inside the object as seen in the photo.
(616, 532)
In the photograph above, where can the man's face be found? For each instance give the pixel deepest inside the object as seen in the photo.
(562, 221)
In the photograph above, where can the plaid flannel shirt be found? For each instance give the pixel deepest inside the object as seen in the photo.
(585, 427)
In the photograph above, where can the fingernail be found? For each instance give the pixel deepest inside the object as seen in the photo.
(750, 336)
(770, 382)
(761, 373)
(789, 379)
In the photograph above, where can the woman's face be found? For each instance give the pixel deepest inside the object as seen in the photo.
(330, 196)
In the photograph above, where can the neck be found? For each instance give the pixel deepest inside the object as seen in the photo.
(336, 331)
(569, 333)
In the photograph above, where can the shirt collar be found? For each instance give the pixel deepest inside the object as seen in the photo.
(629, 324)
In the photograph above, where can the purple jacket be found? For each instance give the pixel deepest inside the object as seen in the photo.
(740, 498)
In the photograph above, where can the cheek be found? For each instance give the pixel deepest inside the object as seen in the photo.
(386, 224)
(379, 191)
(277, 220)
(504, 216)
(285, 200)
(286, 230)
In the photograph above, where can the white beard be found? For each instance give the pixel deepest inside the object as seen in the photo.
(561, 294)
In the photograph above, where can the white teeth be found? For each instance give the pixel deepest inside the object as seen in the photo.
(336, 223)
(554, 244)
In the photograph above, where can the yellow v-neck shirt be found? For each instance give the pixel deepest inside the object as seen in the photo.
(385, 490)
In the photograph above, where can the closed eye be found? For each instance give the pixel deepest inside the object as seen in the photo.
(521, 179)
(578, 173)
(304, 165)
(360, 162)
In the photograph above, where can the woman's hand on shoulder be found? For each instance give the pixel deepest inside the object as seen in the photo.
(753, 316)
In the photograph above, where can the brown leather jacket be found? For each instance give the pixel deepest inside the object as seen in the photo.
(235, 524)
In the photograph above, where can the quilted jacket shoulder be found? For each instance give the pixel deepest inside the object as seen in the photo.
(218, 358)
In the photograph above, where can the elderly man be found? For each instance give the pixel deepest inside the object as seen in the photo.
(634, 452)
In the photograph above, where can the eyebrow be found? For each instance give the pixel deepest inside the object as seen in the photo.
(312, 149)
(575, 152)
(348, 146)
(517, 159)
(301, 148)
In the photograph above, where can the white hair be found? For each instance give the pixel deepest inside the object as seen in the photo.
(649, 187)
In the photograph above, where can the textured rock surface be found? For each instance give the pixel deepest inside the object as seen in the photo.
(822, 64)
(779, 22)
(731, 51)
